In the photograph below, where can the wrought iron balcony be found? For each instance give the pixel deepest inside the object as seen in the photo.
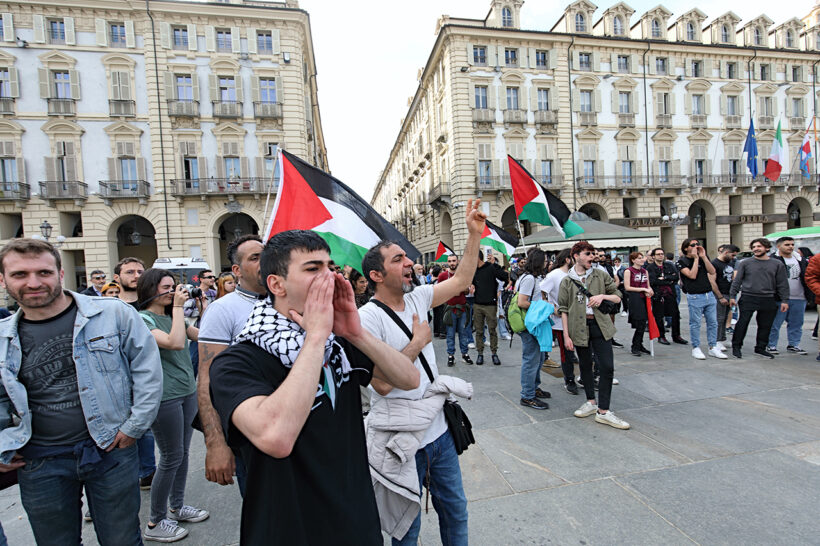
(626, 120)
(222, 186)
(183, 108)
(227, 109)
(126, 108)
(588, 118)
(546, 116)
(61, 107)
(484, 114)
(51, 190)
(663, 121)
(612, 182)
(14, 191)
(670, 181)
(124, 189)
(6, 105)
(492, 183)
(515, 116)
(267, 110)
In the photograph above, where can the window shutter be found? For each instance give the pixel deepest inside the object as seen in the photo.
(723, 69)
(115, 86)
(687, 104)
(70, 36)
(74, 79)
(254, 88)
(740, 108)
(213, 87)
(672, 109)
(259, 166)
(596, 61)
(21, 169)
(707, 68)
(8, 28)
(141, 175)
(687, 67)
(553, 59)
(101, 31)
(806, 74)
(676, 167)
(755, 71)
(39, 23)
(170, 89)
(130, 37)
(576, 100)
(192, 45)
(501, 60)
(202, 166)
(165, 35)
(596, 95)
(210, 38)
(787, 72)
(708, 167)
(491, 96)
(671, 66)
(239, 88)
(275, 39)
(251, 40)
(658, 103)
(652, 63)
(235, 40)
(576, 62)
(195, 84)
(125, 85)
(220, 166)
(45, 83)
(51, 168)
(14, 83)
(636, 105)
(70, 168)
(635, 64)
(244, 167)
(112, 169)
(707, 103)
(613, 62)
(469, 54)
(533, 63)
(774, 106)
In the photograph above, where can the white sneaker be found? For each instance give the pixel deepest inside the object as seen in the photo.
(615, 381)
(624, 314)
(586, 410)
(720, 346)
(611, 419)
(486, 343)
(697, 353)
(715, 352)
(471, 345)
(506, 337)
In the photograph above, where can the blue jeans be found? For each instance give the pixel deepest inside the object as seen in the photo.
(145, 450)
(531, 360)
(794, 323)
(51, 487)
(446, 489)
(702, 305)
(462, 326)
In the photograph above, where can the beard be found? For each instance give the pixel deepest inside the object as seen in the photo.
(36, 302)
(407, 288)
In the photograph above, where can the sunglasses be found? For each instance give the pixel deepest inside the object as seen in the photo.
(694, 244)
(211, 277)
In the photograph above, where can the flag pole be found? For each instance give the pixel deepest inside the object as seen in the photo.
(270, 184)
(521, 235)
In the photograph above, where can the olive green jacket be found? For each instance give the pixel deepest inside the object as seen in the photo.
(597, 282)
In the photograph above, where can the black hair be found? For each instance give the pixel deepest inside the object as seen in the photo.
(148, 284)
(374, 261)
(127, 260)
(536, 262)
(233, 248)
(561, 258)
(199, 276)
(655, 250)
(276, 255)
(730, 248)
(805, 252)
(670, 256)
(784, 239)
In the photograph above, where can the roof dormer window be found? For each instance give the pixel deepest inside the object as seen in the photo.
(506, 17)
(724, 34)
(656, 28)
(758, 36)
(690, 32)
(617, 26)
(580, 23)
(789, 38)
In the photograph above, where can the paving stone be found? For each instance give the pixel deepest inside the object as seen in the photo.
(681, 385)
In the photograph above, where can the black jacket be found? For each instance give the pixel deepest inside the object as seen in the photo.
(804, 263)
(670, 274)
(485, 281)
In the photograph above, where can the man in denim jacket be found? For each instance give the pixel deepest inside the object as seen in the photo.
(80, 381)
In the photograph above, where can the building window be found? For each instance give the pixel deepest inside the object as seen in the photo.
(2, 33)
(626, 171)
(62, 85)
(764, 72)
(758, 36)
(485, 169)
(546, 171)
(506, 17)
(734, 167)
(180, 37)
(789, 39)
(586, 101)
(512, 98)
(231, 167)
(264, 42)
(117, 32)
(697, 105)
(731, 70)
(541, 58)
(511, 57)
(661, 65)
(663, 107)
(624, 102)
(724, 34)
(223, 40)
(656, 28)
(817, 41)
(190, 167)
(731, 105)
(8, 170)
(5, 83)
(589, 172)
(617, 26)
(580, 23)
(480, 55)
(766, 106)
(623, 64)
(543, 99)
(267, 90)
(481, 97)
(584, 62)
(185, 87)
(797, 108)
(128, 168)
(700, 170)
(663, 171)
(697, 69)
(796, 76)
(690, 31)
(271, 150)
(227, 89)
(56, 31)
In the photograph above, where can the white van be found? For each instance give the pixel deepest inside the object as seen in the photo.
(185, 269)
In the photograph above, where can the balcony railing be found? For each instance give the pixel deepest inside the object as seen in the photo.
(491, 183)
(666, 181)
(515, 116)
(765, 122)
(698, 121)
(6, 105)
(587, 118)
(61, 107)
(222, 186)
(439, 192)
(611, 182)
(483, 114)
(267, 110)
(227, 109)
(124, 189)
(183, 108)
(122, 108)
(733, 122)
(797, 123)
(546, 116)
(14, 191)
(663, 121)
(626, 120)
(64, 189)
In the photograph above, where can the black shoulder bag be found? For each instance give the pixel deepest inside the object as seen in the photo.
(457, 422)
(607, 307)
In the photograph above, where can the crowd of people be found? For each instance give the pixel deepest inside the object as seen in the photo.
(102, 390)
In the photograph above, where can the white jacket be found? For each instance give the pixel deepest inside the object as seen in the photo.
(395, 428)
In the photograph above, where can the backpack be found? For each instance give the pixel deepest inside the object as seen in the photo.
(514, 315)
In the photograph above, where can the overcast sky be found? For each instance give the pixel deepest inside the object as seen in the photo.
(368, 53)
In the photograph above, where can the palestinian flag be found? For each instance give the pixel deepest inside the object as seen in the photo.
(775, 163)
(536, 204)
(498, 239)
(309, 198)
(442, 252)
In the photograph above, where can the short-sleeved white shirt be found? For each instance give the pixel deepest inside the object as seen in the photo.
(376, 321)
(225, 317)
(550, 285)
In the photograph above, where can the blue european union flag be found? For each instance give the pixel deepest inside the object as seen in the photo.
(750, 148)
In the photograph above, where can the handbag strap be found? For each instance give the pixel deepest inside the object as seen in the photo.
(581, 288)
(400, 323)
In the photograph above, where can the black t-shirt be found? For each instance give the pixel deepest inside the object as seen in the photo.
(698, 285)
(322, 492)
(485, 281)
(725, 271)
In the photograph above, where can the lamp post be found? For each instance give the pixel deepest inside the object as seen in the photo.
(674, 219)
(45, 234)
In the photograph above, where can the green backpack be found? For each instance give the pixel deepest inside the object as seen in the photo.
(516, 315)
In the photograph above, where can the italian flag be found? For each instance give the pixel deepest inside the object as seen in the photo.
(536, 204)
(776, 158)
(311, 199)
(443, 252)
(498, 239)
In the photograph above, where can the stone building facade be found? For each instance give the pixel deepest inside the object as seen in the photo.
(627, 117)
(150, 132)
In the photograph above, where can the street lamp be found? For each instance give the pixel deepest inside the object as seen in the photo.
(45, 234)
(674, 219)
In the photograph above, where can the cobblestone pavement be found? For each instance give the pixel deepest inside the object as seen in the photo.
(720, 451)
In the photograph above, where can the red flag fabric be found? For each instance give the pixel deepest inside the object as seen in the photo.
(654, 333)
